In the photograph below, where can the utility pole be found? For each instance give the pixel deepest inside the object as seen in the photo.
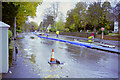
(15, 28)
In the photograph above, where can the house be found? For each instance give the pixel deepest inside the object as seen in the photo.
(116, 26)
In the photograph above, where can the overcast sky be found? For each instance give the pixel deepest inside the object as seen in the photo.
(63, 6)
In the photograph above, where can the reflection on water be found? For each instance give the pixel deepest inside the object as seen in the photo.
(10, 57)
(79, 52)
(47, 42)
(69, 38)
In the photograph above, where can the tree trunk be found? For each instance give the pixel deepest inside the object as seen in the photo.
(84, 28)
(94, 28)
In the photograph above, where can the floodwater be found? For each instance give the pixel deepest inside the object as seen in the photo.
(79, 62)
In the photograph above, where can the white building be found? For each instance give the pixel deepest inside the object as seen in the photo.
(4, 62)
(115, 26)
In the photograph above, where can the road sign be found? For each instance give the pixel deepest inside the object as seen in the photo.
(102, 29)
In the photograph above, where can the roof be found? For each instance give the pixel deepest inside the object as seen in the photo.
(3, 25)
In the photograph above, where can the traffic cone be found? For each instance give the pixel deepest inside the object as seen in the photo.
(52, 56)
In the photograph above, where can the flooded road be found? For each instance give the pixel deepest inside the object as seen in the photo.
(79, 62)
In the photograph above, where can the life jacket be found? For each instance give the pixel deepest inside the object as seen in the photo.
(57, 32)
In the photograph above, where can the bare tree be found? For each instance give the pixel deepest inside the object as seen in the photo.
(51, 12)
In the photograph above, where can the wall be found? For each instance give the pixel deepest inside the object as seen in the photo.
(86, 35)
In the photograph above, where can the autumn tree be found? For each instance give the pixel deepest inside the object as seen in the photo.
(34, 25)
(77, 17)
(100, 15)
(108, 16)
(26, 27)
(60, 25)
(95, 14)
(20, 10)
(81, 19)
(69, 19)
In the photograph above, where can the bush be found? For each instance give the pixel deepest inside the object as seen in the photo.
(53, 29)
(9, 34)
(50, 30)
(72, 27)
(105, 31)
(61, 31)
(19, 31)
(66, 30)
(43, 29)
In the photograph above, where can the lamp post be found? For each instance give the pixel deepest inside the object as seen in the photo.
(15, 28)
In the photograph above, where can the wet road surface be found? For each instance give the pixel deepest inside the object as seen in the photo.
(79, 62)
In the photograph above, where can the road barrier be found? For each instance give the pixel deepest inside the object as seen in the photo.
(82, 44)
